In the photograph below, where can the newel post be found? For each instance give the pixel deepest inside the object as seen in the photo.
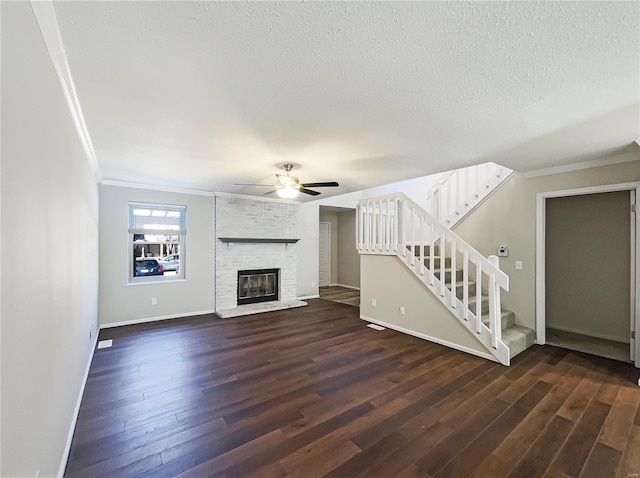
(495, 310)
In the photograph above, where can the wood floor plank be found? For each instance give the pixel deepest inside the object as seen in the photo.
(369, 457)
(473, 455)
(217, 465)
(603, 461)
(298, 441)
(540, 455)
(617, 426)
(405, 456)
(314, 392)
(630, 461)
(514, 446)
(319, 457)
(580, 398)
(457, 408)
(575, 451)
(440, 455)
(382, 429)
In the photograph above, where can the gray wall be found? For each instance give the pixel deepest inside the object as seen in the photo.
(588, 264)
(348, 257)
(387, 280)
(123, 303)
(332, 218)
(49, 290)
(509, 217)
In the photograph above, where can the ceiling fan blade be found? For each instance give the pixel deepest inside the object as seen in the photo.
(269, 192)
(309, 191)
(330, 184)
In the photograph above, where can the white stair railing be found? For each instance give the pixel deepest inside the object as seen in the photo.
(456, 193)
(395, 225)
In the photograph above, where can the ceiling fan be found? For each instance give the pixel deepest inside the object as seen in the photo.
(288, 187)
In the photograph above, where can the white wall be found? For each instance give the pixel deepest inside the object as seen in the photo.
(308, 247)
(123, 303)
(49, 255)
(415, 189)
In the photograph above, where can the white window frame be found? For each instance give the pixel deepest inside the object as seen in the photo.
(178, 229)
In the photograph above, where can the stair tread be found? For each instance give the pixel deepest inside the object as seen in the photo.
(518, 339)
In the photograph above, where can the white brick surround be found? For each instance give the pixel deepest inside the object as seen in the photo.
(248, 218)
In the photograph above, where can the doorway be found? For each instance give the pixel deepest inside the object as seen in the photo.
(586, 271)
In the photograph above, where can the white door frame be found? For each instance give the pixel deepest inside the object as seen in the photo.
(541, 220)
(328, 251)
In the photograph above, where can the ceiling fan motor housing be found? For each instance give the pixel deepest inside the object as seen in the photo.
(288, 181)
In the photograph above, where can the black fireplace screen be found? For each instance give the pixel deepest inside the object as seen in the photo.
(257, 286)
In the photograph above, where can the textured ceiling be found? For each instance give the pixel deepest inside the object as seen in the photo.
(207, 94)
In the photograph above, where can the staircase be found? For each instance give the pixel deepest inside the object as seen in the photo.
(466, 282)
(515, 337)
(458, 192)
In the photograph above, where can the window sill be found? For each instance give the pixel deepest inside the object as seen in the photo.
(160, 281)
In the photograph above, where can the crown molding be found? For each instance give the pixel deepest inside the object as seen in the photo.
(255, 198)
(595, 163)
(152, 187)
(48, 23)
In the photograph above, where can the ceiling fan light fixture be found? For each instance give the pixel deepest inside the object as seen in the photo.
(287, 192)
(287, 181)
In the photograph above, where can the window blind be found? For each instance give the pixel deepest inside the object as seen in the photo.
(145, 218)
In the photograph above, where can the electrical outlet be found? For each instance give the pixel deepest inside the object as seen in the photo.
(154, 301)
(313, 284)
(519, 265)
(402, 311)
(373, 303)
(503, 251)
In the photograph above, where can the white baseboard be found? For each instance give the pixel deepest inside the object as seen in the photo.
(76, 412)
(306, 297)
(346, 286)
(451, 345)
(155, 319)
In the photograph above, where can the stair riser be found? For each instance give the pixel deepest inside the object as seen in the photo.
(436, 262)
(484, 305)
(507, 319)
(427, 249)
(448, 274)
(460, 290)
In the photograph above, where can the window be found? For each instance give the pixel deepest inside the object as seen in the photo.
(156, 242)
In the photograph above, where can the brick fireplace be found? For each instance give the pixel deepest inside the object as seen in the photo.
(254, 234)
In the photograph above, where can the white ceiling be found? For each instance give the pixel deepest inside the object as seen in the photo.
(207, 94)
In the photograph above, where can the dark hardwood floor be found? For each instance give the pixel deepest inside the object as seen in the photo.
(343, 295)
(314, 392)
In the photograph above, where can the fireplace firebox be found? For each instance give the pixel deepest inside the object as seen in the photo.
(259, 285)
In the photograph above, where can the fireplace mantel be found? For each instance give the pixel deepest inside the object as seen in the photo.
(257, 240)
